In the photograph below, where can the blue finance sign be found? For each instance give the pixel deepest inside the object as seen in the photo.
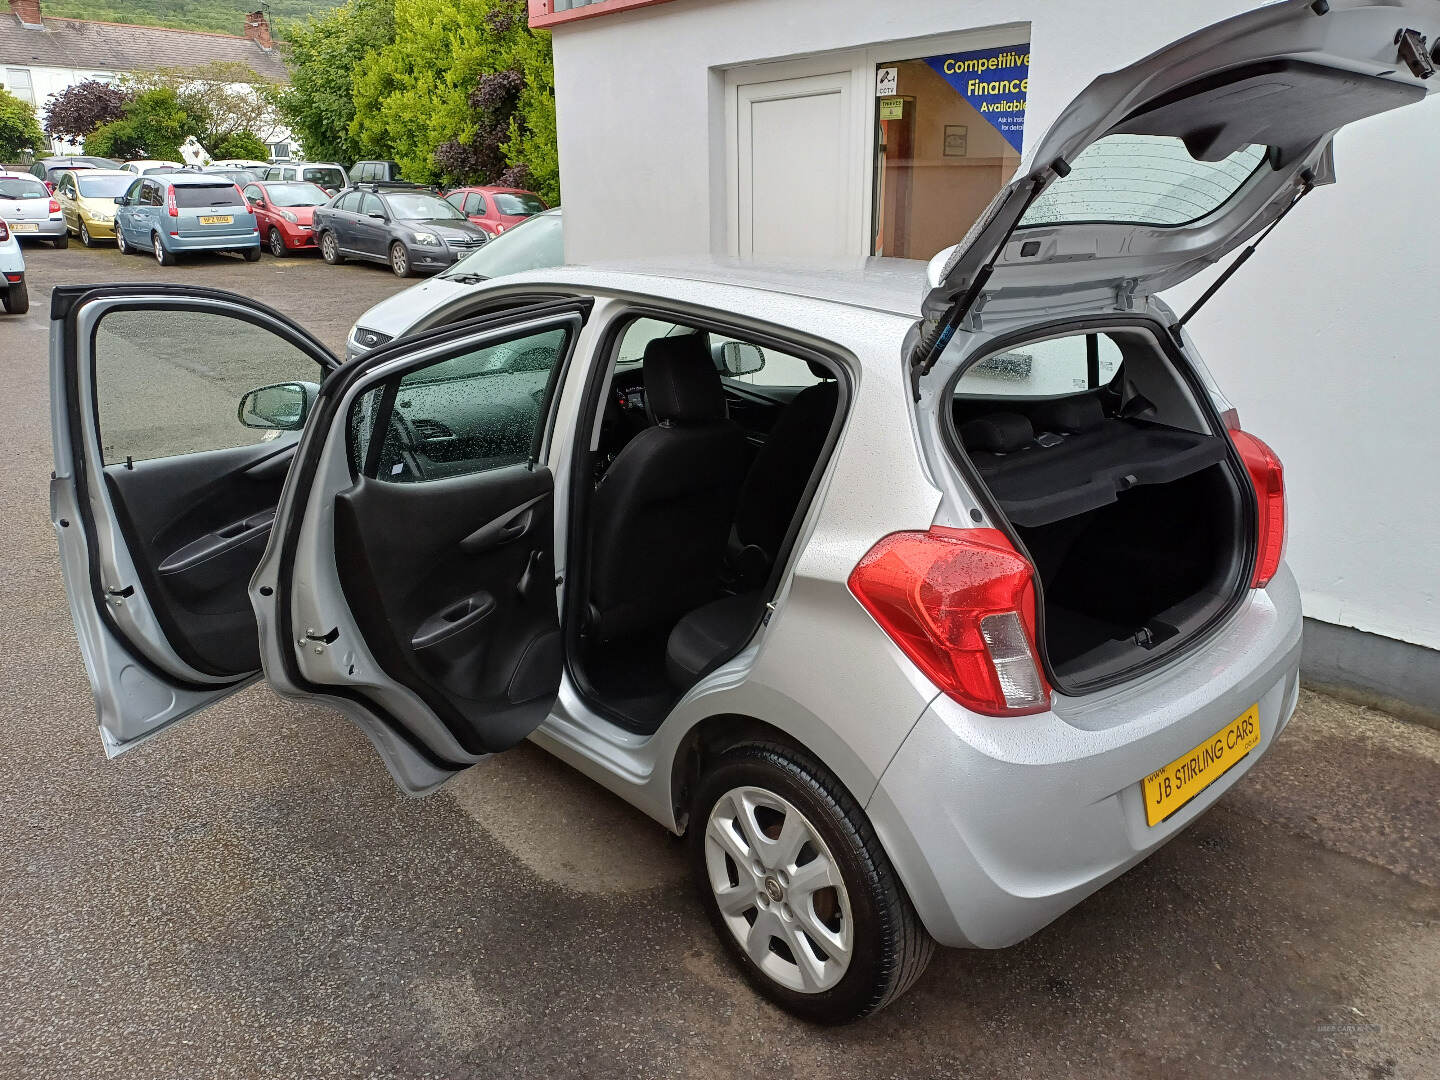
(995, 82)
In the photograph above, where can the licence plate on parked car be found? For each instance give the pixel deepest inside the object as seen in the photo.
(217, 219)
(1170, 788)
(24, 226)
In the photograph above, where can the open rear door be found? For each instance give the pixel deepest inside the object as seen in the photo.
(168, 470)
(1156, 171)
(411, 579)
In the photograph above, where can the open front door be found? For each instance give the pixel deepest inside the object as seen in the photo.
(411, 579)
(168, 470)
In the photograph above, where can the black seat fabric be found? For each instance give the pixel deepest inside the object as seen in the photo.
(663, 510)
(708, 633)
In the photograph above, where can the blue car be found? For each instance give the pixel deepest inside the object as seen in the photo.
(172, 213)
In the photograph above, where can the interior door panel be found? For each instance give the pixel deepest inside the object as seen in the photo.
(197, 525)
(452, 583)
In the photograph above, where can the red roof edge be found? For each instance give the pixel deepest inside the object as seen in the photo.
(542, 17)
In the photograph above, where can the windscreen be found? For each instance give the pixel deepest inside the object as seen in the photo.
(22, 187)
(515, 205)
(531, 245)
(199, 196)
(422, 208)
(296, 195)
(1142, 180)
(104, 187)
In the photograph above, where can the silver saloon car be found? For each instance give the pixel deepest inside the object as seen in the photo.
(923, 601)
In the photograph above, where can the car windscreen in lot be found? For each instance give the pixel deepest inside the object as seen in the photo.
(531, 245)
(422, 208)
(296, 195)
(519, 204)
(195, 196)
(325, 177)
(104, 187)
(22, 187)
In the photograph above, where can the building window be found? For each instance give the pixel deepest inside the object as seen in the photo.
(949, 131)
(17, 81)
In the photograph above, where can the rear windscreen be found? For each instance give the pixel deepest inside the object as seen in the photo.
(324, 177)
(198, 196)
(22, 187)
(1142, 180)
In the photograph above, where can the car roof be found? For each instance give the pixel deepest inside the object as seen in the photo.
(103, 172)
(894, 286)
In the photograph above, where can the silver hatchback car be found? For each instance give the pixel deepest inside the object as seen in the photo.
(920, 629)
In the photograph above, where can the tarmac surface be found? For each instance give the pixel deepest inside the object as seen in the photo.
(249, 896)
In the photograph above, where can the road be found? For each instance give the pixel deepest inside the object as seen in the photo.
(251, 897)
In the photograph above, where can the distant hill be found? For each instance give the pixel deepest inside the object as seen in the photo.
(222, 16)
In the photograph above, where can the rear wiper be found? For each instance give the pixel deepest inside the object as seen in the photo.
(1307, 185)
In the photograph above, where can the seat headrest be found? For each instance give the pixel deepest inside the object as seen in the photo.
(681, 383)
(998, 433)
(1070, 415)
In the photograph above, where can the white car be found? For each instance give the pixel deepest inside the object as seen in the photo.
(14, 294)
(914, 642)
(535, 244)
(146, 166)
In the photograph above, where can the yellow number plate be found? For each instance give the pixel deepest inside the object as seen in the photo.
(1170, 788)
(24, 226)
(218, 219)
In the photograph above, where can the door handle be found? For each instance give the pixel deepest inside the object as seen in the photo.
(511, 525)
(456, 618)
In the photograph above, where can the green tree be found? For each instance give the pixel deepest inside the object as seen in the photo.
(465, 93)
(19, 128)
(319, 104)
(154, 125)
(226, 100)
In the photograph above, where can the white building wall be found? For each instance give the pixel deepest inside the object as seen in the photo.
(1326, 340)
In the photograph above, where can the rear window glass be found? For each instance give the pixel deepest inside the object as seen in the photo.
(325, 177)
(515, 205)
(1142, 180)
(1042, 369)
(192, 196)
(22, 187)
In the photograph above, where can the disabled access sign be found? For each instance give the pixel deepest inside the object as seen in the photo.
(995, 82)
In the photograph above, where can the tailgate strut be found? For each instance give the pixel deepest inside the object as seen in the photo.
(1307, 185)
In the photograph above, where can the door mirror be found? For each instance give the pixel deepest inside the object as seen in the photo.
(281, 407)
(378, 216)
(123, 200)
(741, 358)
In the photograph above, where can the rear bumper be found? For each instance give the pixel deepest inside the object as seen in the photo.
(999, 826)
(49, 229)
(232, 242)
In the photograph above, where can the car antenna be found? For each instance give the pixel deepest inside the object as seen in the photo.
(1307, 185)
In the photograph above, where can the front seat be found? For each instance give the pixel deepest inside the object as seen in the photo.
(662, 512)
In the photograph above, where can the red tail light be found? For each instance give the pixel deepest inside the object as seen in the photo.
(960, 603)
(170, 207)
(1268, 477)
(54, 206)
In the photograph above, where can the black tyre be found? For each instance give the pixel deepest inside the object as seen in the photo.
(85, 237)
(400, 261)
(799, 889)
(252, 254)
(17, 299)
(330, 249)
(162, 256)
(277, 244)
(63, 240)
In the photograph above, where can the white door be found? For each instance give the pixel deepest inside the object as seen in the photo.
(795, 161)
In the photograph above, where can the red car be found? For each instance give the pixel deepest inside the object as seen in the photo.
(283, 209)
(496, 209)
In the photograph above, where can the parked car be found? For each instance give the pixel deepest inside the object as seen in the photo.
(496, 209)
(326, 174)
(538, 246)
(45, 168)
(87, 201)
(368, 171)
(30, 210)
(238, 177)
(249, 164)
(909, 653)
(15, 297)
(146, 167)
(283, 212)
(410, 230)
(180, 212)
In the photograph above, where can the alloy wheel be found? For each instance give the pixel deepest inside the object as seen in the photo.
(277, 244)
(398, 260)
(85, 235)
(120, 241)
(779, 889)
(159, 249)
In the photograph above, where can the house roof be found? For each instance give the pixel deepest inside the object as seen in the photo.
(103, 46)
